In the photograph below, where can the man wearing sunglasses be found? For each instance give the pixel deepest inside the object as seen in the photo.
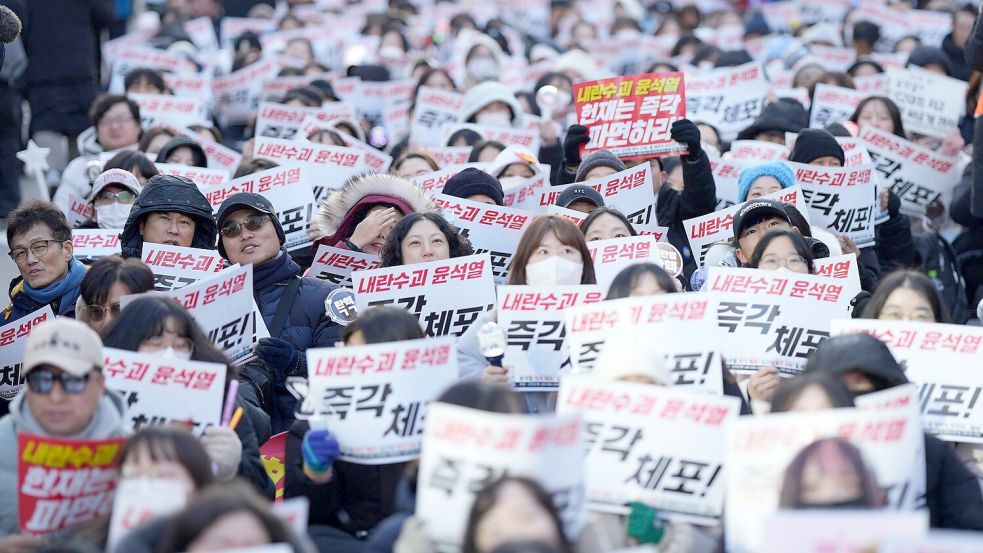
(249, 232)
(169, 210)
(112, 197)
(65, 397)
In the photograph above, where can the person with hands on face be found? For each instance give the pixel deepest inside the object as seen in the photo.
(250, 233)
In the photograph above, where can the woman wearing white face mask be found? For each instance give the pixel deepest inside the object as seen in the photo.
(491, 104)
(112, 197)
(483, 60)
(161, 326)
(552, 252)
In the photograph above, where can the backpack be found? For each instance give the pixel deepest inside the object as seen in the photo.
(941, 264)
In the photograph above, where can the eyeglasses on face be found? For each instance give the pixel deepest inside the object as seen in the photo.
(39, 248)
(97, 313)
(42, 381)
(231, 229)
(122, 197)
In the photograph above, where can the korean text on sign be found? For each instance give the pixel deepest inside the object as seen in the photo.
(336, 265)
(631, 116)
(13, 338)
(175, 267)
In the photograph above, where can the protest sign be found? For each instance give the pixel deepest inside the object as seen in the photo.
(283, 121)
(681, 323)
(95, 243)
(80, 211)
(629, 191)
(329, 167)
(871, 84)
(942, 360)
(523, 193)
(435, 110)
(444, 296)
(838, 530)
(761, 448)
(631, 116)
(491, 229)
(510, 136)
(774, 318)
(237, 94)
(188, 85)
(918, 176)
(840, 267)
(63, 483)
(931, 104)
(757, 152)
(13, 339)
(840, 199)
(219, 156)
(612, 256)
(132, 56)
(533, 320)
(450, 156)
(433, 183)
(661, 446)
(336, 265)
(465, 449)
(374, 398)
(224, 308)
(703, 232)
(140, 500)
(202, 33)
(175, 111)
(728, 98)
(833, 104)
(290, 191)
(201, 176)
(726, 173)
(175, 267)
(160, 391)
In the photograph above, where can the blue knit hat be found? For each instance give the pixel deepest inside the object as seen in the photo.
(778, 170)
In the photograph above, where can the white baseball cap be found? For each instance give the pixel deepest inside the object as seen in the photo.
(119, 177)
(66, 344)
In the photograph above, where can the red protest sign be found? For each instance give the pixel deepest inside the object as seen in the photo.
(631, 116)
(64, 483)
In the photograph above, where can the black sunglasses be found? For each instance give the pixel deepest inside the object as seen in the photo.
(232, 229)
(42, 381)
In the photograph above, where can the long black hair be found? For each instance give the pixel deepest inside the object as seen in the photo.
(892, 110)
(392, 252)
(912, 280)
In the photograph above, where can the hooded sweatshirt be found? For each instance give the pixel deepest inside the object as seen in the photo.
(169, 193)
(108, 422)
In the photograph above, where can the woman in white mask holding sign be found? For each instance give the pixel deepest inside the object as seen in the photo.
(112, 197)
(552, 252)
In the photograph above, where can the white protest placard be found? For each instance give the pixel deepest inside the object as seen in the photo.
(936, 541)
(219, 156)
(842, 200)
(433, 183)
(175, 267)
(160, 391)
(833, 104)
(203, 177)
(202, 33)
(510, 136)
(757, 152)
(840, 267)
(287, 188)
(445, 296)
(237, 94)
(95, 243)
(918, 176)
(629, 191)
(13, 338)
(613, 255)
(703, 232)
(133, 56)
(467, 449)
(375, 160)
(761, 448)
(931, 104)
(450, 156)
(224, 308)
(140, 500)
(190, 85)
(680, 321)
(173, 111)
(435, 109)
(329, 166)
(726, 174)
(728, 98)
(942, 359)
(839, 530)
(79, 211)
(491, 229)
(374, 398)
(523, 193)
(533, 320)
(774, 318)
(283, 121)
(336, 265)
(658, 445)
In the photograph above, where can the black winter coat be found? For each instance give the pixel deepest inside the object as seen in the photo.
(357, 497)
(951, 490)
(61, 38)
(698, 198)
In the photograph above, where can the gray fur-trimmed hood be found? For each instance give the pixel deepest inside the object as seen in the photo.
(342, 206)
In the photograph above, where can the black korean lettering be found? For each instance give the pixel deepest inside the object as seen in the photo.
(621, 440)
(486, 475)
(294, 220)
(438, 323)
(368, 400)
(650, 471)
(465, 318)
(588, 354)
(407, 420)
(689, 477)
(948, 400)
(163, 283)
(10, 375)
(691, 368)
(230, 334)
(729, 315)
(520, 333)
(796, 342)
(413, 304)
(761, 316)
(821, 201)
(445, 475)
(339, 400)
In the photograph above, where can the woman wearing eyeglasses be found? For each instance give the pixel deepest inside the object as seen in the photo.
(783, 249)
(106, 281)
(292, 307)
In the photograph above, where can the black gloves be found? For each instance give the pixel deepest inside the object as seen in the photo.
(576, 135)
(686, 132)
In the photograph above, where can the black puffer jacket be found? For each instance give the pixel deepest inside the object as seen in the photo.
(172, 194)
(698, 198)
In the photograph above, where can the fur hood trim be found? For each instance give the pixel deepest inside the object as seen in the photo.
(341, 206)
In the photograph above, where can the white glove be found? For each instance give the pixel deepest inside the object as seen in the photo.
(225, 451)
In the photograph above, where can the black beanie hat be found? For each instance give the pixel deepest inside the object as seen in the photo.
(471, 181)
(812, 144)
(246, 200)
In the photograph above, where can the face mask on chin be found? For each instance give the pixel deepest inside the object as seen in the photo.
(554, 271)
(113, 216)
